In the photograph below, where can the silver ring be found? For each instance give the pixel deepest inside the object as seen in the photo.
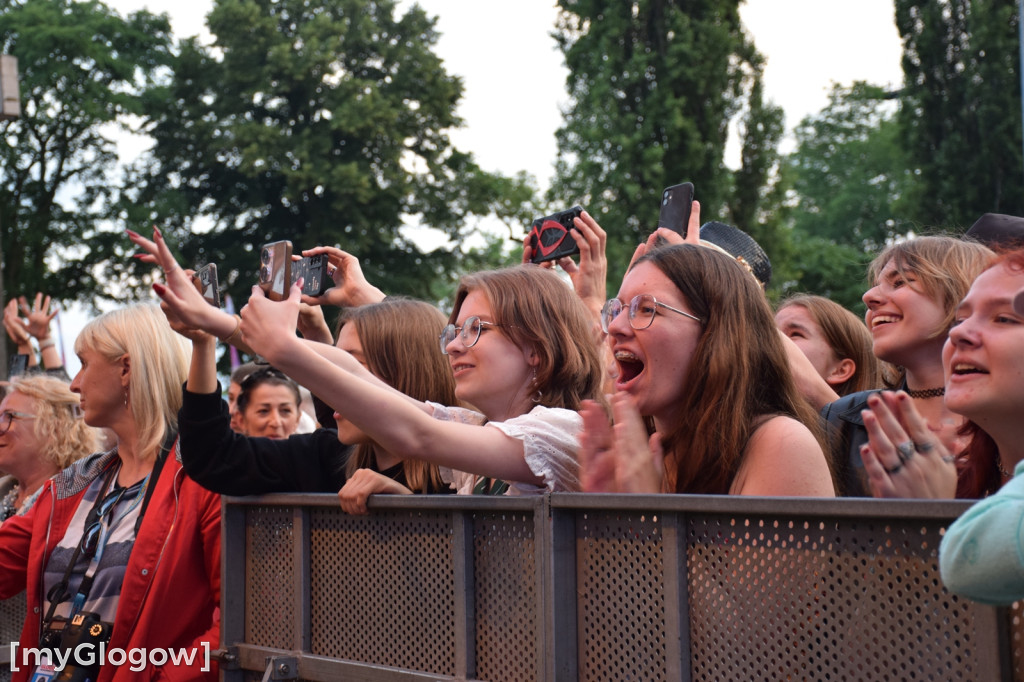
(895, 470)
(906, 450)
(923, 448)
(949, 459)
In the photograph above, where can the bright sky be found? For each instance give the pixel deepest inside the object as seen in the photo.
(515, 81)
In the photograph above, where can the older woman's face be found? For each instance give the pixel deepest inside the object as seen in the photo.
(20, 447)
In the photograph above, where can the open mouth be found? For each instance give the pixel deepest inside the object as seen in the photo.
(963, 369)
(883, 319)
(630, 367)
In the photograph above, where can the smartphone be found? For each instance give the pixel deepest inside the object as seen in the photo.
(676, 202)
(313, 271)
(550, 238)
(205, 279)
(276, 269)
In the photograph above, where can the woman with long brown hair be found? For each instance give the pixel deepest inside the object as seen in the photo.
(697, 352)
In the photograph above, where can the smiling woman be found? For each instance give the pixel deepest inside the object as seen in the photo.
(917, 285)
(524, 363)
(41, 432)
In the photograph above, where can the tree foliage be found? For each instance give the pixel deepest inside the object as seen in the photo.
(961, 109)
(653, 86)
(82, 68)
(322, 122)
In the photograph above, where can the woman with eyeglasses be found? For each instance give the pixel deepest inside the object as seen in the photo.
(521, 352)
(697, 354)
(41, 432)
(121, 547)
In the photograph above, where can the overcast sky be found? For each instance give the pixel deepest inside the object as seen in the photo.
(514, 78)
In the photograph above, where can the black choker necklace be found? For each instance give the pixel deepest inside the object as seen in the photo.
(927, 393)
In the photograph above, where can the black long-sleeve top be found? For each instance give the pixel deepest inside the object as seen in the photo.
(232, 464)
(229, 463)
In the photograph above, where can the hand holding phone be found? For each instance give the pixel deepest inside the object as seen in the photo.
(276, 269)
(205, 279)
(676, 203)
(549, 237)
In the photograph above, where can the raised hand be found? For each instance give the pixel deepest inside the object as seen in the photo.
(671, 236)
(350, 286)
(268, 327)
(904, 457)
(38, 317)
(180, 297)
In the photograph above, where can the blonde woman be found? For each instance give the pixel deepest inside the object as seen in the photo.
(41, 432)
(122, 540)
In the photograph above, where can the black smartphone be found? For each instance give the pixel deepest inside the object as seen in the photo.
(550, 238)
(205, 279)
(276, 269)
(676, 202)
(313, 271)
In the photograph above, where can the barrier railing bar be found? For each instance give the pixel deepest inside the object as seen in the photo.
(801, 506)
(677, 628)
(404, 502)
(323, 669)
(465, 613)
(232, 581)
(556, 553)
(302, 581)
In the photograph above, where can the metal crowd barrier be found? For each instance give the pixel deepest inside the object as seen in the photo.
(601, 587)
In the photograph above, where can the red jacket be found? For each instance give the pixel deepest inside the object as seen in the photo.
(171, 591)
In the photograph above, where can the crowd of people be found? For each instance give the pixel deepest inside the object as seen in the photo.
(687, 381)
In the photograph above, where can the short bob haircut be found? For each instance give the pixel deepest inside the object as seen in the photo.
(739, 373)
(58, 421)
(399, 340)
(943, 266)
(159, 366)
(536, 309)
(847, 337)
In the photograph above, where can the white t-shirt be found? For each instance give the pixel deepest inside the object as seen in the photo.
(550, 438)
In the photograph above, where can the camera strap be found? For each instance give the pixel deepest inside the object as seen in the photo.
(59, 592)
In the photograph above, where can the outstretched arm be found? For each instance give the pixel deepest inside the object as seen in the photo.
(180, 295)
(396, 423)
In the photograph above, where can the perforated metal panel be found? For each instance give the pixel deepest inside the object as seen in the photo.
(805, 599)
(507, 596)
(621, 612)
(1016, 618)
(12, 616)
(383, 588)
(270, 571)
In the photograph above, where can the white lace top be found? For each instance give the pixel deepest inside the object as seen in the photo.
(550, 442)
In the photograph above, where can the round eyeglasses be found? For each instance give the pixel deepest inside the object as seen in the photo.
(641, 311)
(8, 416)
(469, 333)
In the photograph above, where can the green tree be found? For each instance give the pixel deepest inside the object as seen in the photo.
(82, 67)
(961, 113)
(322, 122)
(653, 86)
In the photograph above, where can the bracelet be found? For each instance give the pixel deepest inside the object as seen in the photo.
(238, 328)
(46, 343)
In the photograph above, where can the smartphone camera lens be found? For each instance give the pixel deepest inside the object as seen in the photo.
(265, 274)
(265, 256)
